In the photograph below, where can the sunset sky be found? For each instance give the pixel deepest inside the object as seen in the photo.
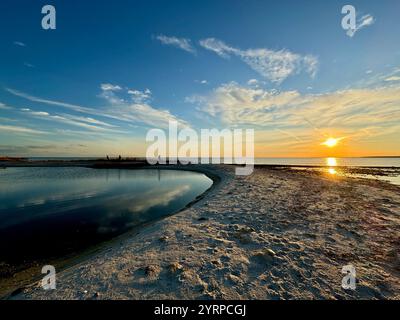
(113, 70)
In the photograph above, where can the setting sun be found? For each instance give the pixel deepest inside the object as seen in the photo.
(331, 142)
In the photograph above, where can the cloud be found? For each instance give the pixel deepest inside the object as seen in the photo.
(364, 21)
(29, 65)
(354, 110)
(110, 94)
(205, 82)
(139, 109)
(378, 79)
(217, 46)
(110, 87)
(252, 82)
(49, 102)
(393, 78)
(19, 43)
(89, 120)
(181, 43)
(4, 107)
(82, 122)
(273, 65)
(17, 129)
(118, 109)
(140, 96)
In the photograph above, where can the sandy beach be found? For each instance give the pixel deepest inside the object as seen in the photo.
(276, 234)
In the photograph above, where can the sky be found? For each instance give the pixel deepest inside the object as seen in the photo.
(113, 70)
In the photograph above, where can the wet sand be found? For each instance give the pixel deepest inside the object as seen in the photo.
(276, 234)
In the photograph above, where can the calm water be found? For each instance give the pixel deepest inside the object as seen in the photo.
(50, 212)
(333, 166)
(351, 162)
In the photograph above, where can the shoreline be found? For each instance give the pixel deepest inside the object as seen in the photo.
(273, 235)
(115, 163)
(24, 278)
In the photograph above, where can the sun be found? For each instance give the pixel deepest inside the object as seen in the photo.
(331, 142)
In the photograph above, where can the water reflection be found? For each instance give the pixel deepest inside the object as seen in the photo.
(331, 162)
(48, 212)
(332, 171)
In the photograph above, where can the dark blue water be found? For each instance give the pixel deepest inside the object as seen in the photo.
(51, 212)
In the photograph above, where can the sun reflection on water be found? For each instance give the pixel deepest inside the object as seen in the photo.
(332, 171)
(331, 162)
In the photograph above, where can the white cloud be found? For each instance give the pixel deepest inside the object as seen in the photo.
(49, 102)
(4, 107)
(140, 96)
(201, 81)
(393, 78)
(108, 92)
(110, 87)
(40, 113)
(119, 109)
(23, 130)
(252, 82)
(82, 122)
(217, 46)
(275, 66)
(364, 21)
(181, 43)
(139, 110)
(89, 120)
(19, 43)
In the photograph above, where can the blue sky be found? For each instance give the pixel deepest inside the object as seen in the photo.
(112, 70)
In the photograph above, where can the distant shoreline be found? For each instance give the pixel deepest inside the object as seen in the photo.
(141, 163)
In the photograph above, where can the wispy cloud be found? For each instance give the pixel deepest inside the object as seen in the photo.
(139, 110)
(19, 44)
(110, 87)
(219, 47)
(378, 79)
(205, 82)
(82, 122)
(181, 43)
(22, 130)
(118, 108)
(273, 65)
(393, 78)
(47, 101)
(140, 96)
(252, 82)
(4, 107)
(364, 21)
(350, 111)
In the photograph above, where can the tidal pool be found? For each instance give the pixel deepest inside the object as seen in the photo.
(48, 213)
